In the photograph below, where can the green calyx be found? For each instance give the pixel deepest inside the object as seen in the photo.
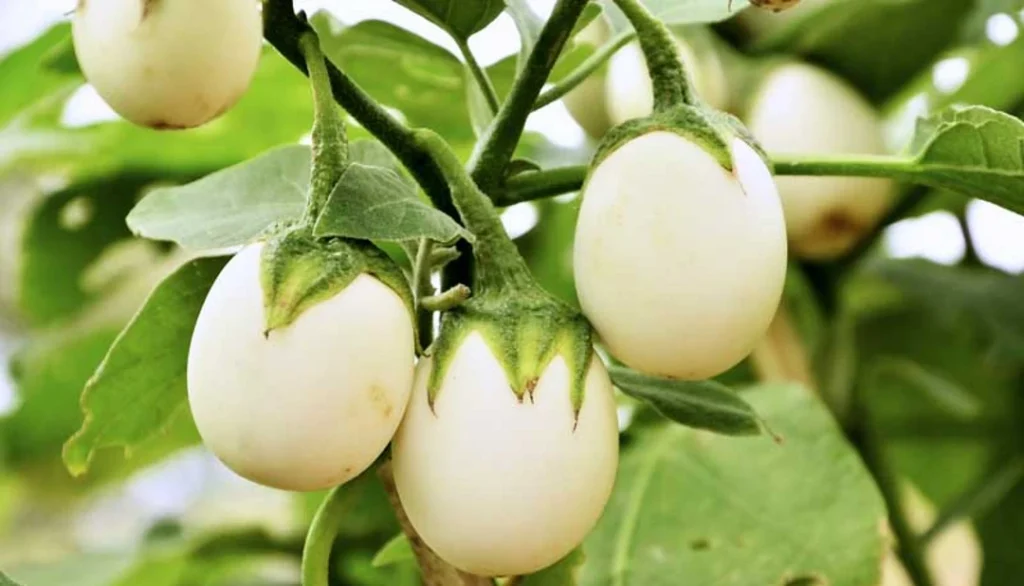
(711, 129)
(298, 271)
(525, 334)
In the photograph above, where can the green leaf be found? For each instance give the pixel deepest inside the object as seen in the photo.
(230, 207)
(974, 150)
(738, 512)
(401, 70)
(700, 404)
(564, 573)
(374, 203)
(140, 386)
(5, 581)
(460, 18)
(949, 396)
(681, 11)
(64, 235)
(396, 550)
(26, 80)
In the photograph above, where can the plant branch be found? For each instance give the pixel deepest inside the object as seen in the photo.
(668, 74)
(447, 300)
(585, 69)
(540, 184)
(316, 554)
(436, 572)
(283, 29)
(483, 82)
(498, 144)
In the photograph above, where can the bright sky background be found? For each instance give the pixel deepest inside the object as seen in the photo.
(189, 481)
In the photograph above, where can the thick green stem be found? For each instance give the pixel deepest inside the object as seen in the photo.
(540, 184)
(668, 74)
(316, 555)
(585, 69)
(845, 165)
(330, 142)
(499, 264)
(283, 29)
(483, 82)
(498, 144)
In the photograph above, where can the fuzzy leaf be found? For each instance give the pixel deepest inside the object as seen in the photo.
(974, 150)
(139, 388)
(230, 207)
(700, 404)
(742, 511)
(397, 550)
(374, 203)
(460, 18)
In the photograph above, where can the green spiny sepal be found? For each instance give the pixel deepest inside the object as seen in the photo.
(711, 129)
(525, 333)
(298, 271)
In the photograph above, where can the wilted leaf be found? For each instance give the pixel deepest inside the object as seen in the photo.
(701, 404)
(738, 512)
(140, 386)
(375, 203)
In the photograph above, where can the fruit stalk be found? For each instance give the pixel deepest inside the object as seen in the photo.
(500, 267)
(316, 554)
(668, 74)
(330, 141)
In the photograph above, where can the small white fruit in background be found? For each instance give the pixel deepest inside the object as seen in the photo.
(679, 262)
(586, 102)
(802, 109)
(312, 404)
(629, 89)
(499, 487)
(168, 63)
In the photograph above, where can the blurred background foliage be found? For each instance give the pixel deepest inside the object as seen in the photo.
(934, 344)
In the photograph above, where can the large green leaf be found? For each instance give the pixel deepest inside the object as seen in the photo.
(230, 207)
(700, 404)
(974, 150)
(710, 509)
(461, 18)
(374, 203)
(139, 389)
(564, 573)
(401, 70)
(1002, 532)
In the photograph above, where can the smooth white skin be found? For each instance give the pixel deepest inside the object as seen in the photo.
(312, 405)
(802, 109)
(629, 89)
(177, 64)
(586, 102)
(679, 263)
(497, 487)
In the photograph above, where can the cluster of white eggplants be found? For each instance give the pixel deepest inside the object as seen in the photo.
(679, 262)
